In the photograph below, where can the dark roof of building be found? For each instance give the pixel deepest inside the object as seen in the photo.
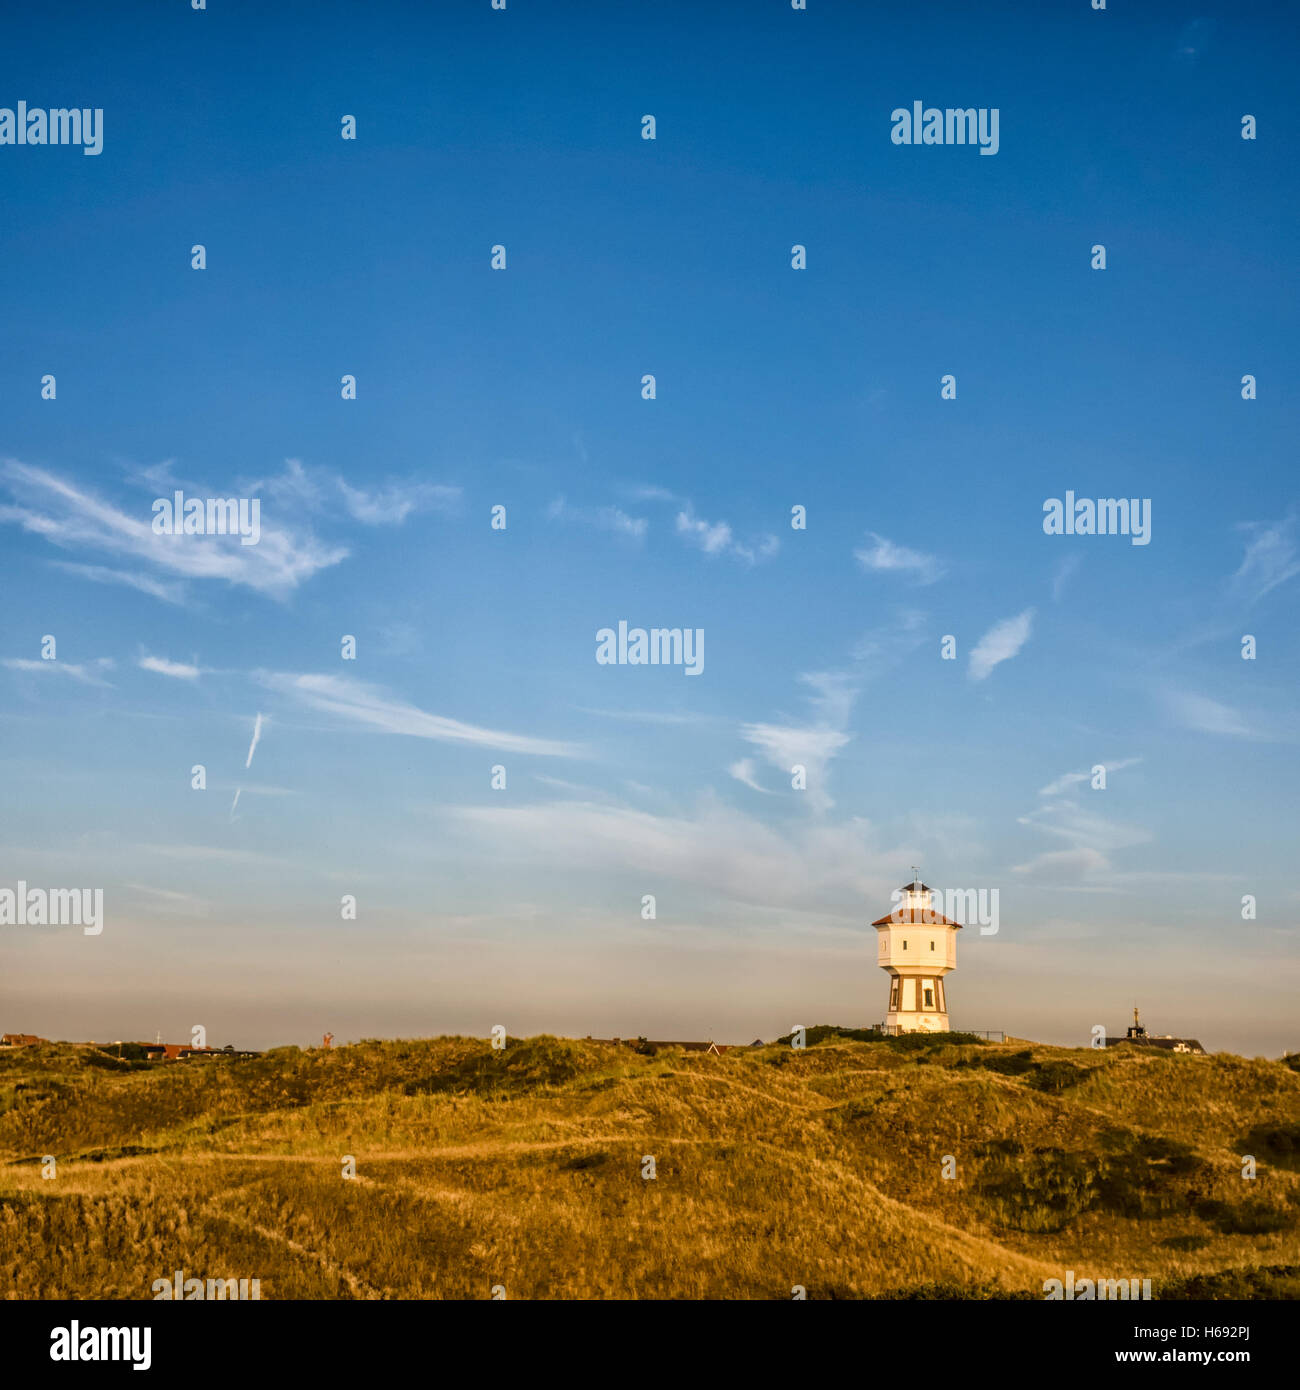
(173, 1052)
(922, 916)
(1169, 1044)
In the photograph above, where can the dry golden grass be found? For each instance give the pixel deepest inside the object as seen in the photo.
(523, 1168)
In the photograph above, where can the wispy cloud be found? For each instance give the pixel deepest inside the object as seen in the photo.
(294, 486)
(884, 647)
(602, 518)
(833, 695)
(1064, 865)
(87, 674)
(743, 771)
(1271, 559)
(1204, 715)
(322, 491)
(1067, 567)
(1090, 839)
(170, 901)
(562, 784)
(257, 738)
(887, 556)
(1074, 779)
(1000, 643)
(1081, 828)
(811, 745)
(717, 538)
(393, 503)
(177, 669)
(101, 574)
(73, 518)
(724, 853)
(371, 707)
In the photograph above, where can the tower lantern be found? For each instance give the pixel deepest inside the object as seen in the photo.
(917, 946)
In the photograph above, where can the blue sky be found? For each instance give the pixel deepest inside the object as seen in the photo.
(775, 388)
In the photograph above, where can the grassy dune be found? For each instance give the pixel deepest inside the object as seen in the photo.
(774, 1168)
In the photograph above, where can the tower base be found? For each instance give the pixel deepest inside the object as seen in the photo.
(917, 1023)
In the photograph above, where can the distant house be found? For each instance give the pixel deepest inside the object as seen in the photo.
(1139, 1037)
(182, 1052)
(20, 1040)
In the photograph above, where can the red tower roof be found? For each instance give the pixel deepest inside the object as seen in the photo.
(923, 916)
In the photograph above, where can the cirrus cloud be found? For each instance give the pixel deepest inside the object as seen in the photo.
(1000, 643)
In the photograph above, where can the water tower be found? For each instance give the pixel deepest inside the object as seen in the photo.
(918, 947)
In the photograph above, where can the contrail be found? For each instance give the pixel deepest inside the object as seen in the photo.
(257, 734)
(235, 802)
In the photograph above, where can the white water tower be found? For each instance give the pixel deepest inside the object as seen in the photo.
(918, 947)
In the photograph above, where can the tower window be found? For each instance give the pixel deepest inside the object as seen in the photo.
(905, 943)
(932, 945)
(929, 999)
(893, 996)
